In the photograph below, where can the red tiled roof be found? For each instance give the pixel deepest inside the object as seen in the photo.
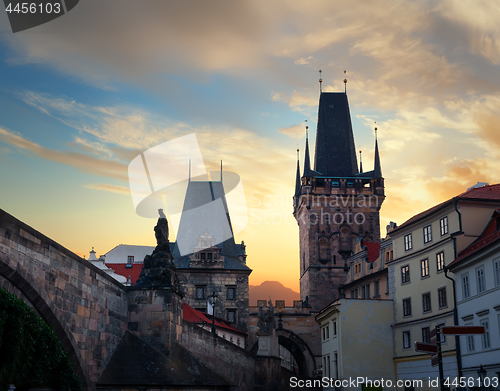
(195, 316)
(123, 270)
(489, 192)
(490, 234)
(372, 250)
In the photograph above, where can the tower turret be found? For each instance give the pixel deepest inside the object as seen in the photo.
(335, 203)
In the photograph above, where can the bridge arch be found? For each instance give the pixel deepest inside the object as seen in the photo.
(300, 351)
(23, 282)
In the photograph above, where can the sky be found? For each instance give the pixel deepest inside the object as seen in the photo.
(84, 94)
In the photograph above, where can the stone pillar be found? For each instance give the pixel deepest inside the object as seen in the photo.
(155, 315)
(155, 302)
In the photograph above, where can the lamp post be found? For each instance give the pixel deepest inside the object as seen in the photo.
(213, 314)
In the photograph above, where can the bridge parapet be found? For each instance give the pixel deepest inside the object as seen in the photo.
(84, 305)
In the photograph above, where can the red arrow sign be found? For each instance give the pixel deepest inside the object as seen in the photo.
(462, 330)
(425, 347)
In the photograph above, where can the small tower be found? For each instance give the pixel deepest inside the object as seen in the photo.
(334, 204)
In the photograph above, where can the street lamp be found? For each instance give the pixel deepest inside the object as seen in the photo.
(213, 314)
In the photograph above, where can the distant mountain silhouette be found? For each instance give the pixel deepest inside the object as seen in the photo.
(275, 289)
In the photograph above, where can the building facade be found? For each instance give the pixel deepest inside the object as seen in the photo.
(357, 340)
(422, 294)
(476, 272)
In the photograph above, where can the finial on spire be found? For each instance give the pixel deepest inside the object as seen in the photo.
(307, 132)
(360, 163)
(345, 82)
(297, 152)
(375, 122)
(320, 82)
(189, 175)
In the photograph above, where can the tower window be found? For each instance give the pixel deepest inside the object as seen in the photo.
(209, 256)
(200, 292)
(231, 316)
(203, 255)
(231, 293)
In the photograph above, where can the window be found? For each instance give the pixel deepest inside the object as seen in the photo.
(336, 365)
(481, 287)
(465, 286)
(486, 336)
(426, 302)
(426, 335)
(130, 259)
(203, 255)
(231, 316)
(200, 292)
(231, 293)
(443, 225)
(407, 307)
(326, 333)
(326, 365)
(427, 234)
(408, 242)
(365, 291)
(470, 341)
(354, 293)
(406, 340)
(443, 302)
(376, 289)
(496, 271)
(440, 261)
(334, 330)
(209, 255)
(405, 274)
(424, 268)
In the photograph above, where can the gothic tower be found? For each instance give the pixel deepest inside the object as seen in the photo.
(334, 204)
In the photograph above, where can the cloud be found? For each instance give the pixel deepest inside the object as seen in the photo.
(109, 188)
(294, 131)
(84, 162)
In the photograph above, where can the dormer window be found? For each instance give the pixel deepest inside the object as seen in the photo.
(203, 255)
(209, 256)
(130, 261)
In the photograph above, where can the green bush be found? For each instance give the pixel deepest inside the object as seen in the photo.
(31, 355)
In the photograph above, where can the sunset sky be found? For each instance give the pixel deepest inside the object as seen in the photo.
(83, 95)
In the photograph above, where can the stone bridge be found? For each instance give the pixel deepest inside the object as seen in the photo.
(85, 307)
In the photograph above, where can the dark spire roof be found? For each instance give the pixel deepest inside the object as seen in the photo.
(335, 153)
(377, 170)
(307, 161)
(297, 178)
